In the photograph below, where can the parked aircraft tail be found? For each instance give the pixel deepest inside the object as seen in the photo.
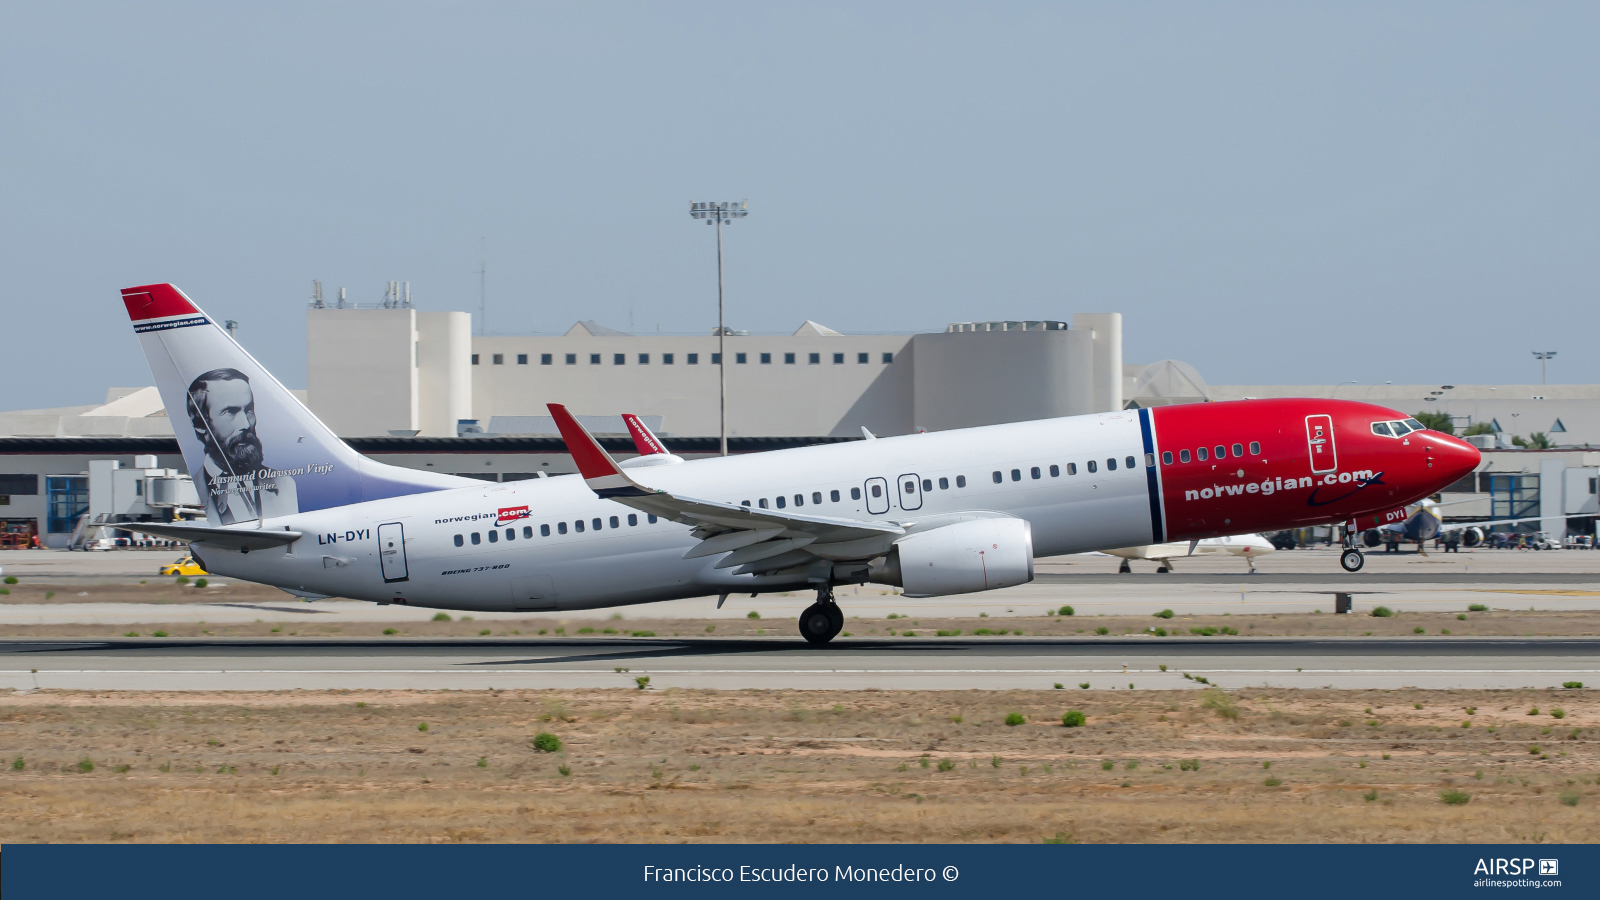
(255, 452)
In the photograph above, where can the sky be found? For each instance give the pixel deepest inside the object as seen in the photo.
(1305, 193)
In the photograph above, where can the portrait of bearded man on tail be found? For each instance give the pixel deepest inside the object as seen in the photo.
(238, 488)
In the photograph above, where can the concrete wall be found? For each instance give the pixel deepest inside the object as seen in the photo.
(444, 371)
(966, 379)
(362, 372)
(1106, 329)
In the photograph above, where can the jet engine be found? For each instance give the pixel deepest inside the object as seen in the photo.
(977, 555)
(1472, 537)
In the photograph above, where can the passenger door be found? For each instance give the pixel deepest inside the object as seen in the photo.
(910, 495)
(877, 496)
(392, 552)
(1319, 440)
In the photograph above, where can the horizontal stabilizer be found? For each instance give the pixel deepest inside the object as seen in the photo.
(242, 539)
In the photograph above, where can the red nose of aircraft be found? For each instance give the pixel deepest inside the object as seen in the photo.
(1452, 457)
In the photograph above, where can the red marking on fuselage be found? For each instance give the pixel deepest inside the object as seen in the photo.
(1288, 483)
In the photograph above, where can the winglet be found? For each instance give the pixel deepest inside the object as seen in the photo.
(598, 469)
(643, 439)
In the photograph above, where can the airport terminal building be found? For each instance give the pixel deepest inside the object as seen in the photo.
(418, 389)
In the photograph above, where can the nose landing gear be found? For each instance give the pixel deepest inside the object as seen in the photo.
(1351, 559)
(823, 620)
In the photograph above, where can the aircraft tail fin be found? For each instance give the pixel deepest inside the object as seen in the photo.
(254, 450)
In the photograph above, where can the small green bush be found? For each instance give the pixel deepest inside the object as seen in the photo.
(441, 617)
(482, 632)
(644, 634)
(17, 765)
(943, 633)
(422, 726)
(183, 579)
(752, 614)
(1370, 796)
(1477, 607)
(1381, 612)
(1189, 765)
(1015, 719)
(545, 742)
(1084, 685)
(132, 634)
(1203, 631)
(1558, 713)
(1072, 719)
(390, 631)
(586, 630)
(1572, 685)
(1228, 629)
(12, 579)
(642, 682)
(1163, 667)
(1107, 765)
(1102, 630)
(483, 762)
(158, 634)
(564, 770)
(1159, 632)
(85, 765)
(1059, 686)
(1219, 702)
(1419, 630)
(1164, 614)
(946, 765)
(1569, 797)
(1454, 798)
(1272, 781)
(200, 582)
(1063, 611)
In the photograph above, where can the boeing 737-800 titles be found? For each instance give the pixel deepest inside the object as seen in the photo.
(289, 504)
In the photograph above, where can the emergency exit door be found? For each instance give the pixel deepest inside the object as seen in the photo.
(877, 496)
(392, 552)
(1319, 440)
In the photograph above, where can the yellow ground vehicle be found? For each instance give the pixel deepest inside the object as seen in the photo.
(184, 566)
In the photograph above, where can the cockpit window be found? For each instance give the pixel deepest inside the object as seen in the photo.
(1415, 425)
(1382, 428)
(1400, 428)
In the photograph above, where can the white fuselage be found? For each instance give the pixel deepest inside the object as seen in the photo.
(629, 559)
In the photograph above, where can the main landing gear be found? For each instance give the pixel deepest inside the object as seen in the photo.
(823, 620)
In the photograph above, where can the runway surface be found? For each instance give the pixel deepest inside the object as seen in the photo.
(912, 663)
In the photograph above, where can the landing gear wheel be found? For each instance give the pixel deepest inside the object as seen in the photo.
(835, 619)
(1352, 560)
(1124, 569)
(816, 624)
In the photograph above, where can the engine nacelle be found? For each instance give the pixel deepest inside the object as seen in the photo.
(978, 555)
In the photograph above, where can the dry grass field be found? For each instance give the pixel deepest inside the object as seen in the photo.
(802, 766)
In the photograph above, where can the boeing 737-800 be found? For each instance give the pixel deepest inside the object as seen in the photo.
(289, 504)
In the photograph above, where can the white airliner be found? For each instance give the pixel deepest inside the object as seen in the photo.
(291, 505)
(1248, 547)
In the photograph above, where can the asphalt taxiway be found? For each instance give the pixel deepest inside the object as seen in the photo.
(848, 664)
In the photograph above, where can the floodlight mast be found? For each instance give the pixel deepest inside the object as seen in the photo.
(719, 214)
(1544, 357)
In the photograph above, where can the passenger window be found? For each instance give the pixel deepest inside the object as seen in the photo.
(1238, 450)
(651, 518)
(944, 485)
(1111, 464)
(927, 485)
(1016, 474)
(1035, 472)
(633, 519)
(511, 534)
(615, 522)
(816, 497)
(1222, 452)
(596, 524)
(961, 481)
(1091, 466)
(877, 491)
(476, 538)
(1166, 457)
(910, 487)
(527, 530)
(578, 526)
(744, 502)
(1201, 454)
(544, 530)
(1055, 471)
(561, 528)
(855, 493)
(782, 502)
(834, 496)
(998, 478)
(1072, 468)
(1149, 460)
(799, 499)
(1255, 448)
(1130, 462)
(762, 502)
(458, 540)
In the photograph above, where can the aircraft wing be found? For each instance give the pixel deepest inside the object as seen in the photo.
(752, 535)
(1463, 525)
(242, 539)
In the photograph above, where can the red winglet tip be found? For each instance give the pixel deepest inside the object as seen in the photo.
(156, 301)
(592, 460)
